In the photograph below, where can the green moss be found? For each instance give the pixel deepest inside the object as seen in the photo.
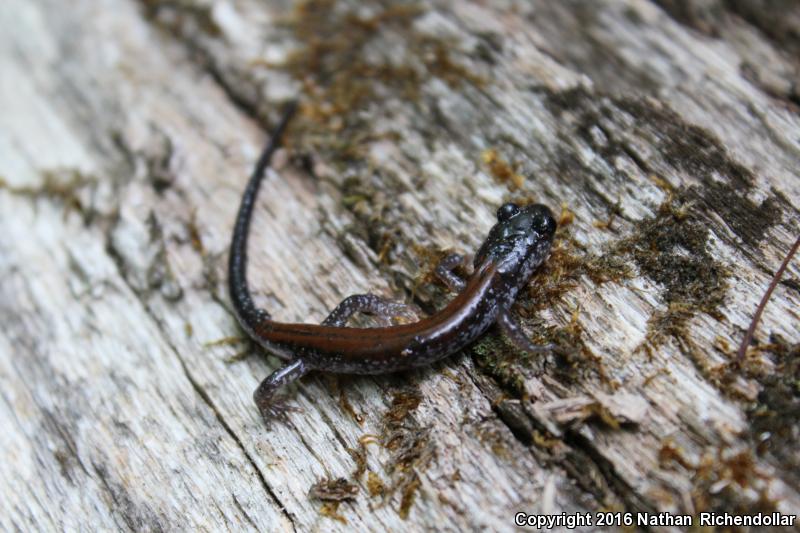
(502, 171)
(200, 14)
(567, 264)
(775, 416)
(671, 249)
(571, 360)
(723, 479)
(356, 57)
(350, 59)
(333, 490)
(724, 183)
(495, 359)
(342, 73)
(698, 153)
(63, 185)
(410, 446)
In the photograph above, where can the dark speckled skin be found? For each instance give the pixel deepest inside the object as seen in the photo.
(514, 248)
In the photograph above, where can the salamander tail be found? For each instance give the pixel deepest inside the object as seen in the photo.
(247, 312)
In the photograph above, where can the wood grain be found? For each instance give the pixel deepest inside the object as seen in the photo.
(666, 131)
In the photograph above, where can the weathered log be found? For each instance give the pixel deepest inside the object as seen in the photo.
(666, 132)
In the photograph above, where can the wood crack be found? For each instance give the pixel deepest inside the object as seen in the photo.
(120, 262)
(229, 430)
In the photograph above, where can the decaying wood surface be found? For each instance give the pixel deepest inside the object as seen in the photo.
(667, 133)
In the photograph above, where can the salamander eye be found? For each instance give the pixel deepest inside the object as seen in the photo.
(507, 211)
(545, 223)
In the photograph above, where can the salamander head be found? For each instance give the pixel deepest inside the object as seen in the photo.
(520, 241)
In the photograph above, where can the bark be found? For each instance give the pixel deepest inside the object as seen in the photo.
(665, 132)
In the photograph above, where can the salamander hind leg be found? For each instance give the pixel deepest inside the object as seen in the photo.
(270, 405)
(370, 304)
(513, 332)
(444, 271)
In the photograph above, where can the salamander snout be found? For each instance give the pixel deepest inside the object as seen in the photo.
(536, 217)
(520, 233)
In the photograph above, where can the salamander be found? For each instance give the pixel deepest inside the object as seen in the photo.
(516, 245)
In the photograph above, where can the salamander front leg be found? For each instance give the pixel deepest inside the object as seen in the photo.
(270, 405)
(444, 271)
(513, 332)
(369, 304)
